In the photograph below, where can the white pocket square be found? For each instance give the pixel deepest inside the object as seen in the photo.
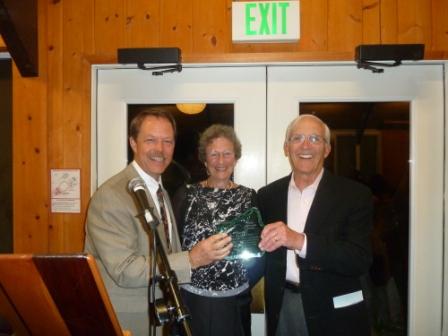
(347, 299)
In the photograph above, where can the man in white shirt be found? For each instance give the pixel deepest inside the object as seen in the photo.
(317, 240)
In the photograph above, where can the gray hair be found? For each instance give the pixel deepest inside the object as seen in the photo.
(217, 131)
(327, 134)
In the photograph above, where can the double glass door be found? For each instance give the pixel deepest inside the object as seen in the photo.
(260, 101)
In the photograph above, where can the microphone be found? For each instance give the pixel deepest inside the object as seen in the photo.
(137, 187)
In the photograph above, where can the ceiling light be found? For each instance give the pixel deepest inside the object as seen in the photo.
(191, 108)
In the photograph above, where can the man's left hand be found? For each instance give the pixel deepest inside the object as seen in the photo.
(277, 234)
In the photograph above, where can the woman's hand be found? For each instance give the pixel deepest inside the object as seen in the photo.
(209, 250)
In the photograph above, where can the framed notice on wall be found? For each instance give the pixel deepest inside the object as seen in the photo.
(66, 190)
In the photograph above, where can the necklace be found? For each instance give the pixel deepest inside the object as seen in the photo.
(229, 185)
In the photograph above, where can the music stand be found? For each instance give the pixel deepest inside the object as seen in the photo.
(55, 295)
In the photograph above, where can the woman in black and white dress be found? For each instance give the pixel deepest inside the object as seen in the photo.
(218, 297)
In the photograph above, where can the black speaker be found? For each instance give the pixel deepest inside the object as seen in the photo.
(148, 55)
(389, 52)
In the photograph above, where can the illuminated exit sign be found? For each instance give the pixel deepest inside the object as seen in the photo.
(265, 21)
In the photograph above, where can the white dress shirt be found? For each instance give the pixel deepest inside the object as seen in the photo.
(153, 186)
(299, 204)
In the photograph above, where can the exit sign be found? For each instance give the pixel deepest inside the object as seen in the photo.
(265, 21)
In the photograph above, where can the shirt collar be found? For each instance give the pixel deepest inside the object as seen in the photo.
(312, 187)
(150, 182)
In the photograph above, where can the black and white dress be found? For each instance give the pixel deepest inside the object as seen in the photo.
(218, 296)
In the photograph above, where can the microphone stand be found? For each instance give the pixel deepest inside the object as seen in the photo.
(171, 309)
(152, 281)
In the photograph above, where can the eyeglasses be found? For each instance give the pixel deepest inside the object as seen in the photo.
(226, 155)
(313, 139)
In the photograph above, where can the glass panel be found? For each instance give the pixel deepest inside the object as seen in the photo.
(370, 143)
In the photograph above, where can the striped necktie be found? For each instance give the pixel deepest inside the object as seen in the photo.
(164, 216)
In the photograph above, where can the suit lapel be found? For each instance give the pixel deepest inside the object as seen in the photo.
(132, 173)
(281, 198)
(281, 205)
(322, 204)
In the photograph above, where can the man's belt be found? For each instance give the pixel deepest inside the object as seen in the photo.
(293, 286)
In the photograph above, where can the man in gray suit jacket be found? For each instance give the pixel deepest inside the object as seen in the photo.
(119, 240)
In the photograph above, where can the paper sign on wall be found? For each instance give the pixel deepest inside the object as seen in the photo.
(66, 190)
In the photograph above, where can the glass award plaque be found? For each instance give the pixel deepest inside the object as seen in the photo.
(245, 231)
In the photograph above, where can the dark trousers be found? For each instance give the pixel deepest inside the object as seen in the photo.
(292, 317)
(215, 316)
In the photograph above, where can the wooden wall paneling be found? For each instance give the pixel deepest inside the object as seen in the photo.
(414, 21)
(269, 57)
(55, 108)
(176, 24)
(76, 13)
(74, 117)
(85, 107)
(439, 31)
(314, 25)
(345, 26)
(286, 47)
(109, 26)
(389, 21)
(84, 129)
(424, 20)
(142, 22)
(211, 26)
(30, 169)
(371, 32)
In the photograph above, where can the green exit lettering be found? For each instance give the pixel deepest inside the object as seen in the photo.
(267, 13)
